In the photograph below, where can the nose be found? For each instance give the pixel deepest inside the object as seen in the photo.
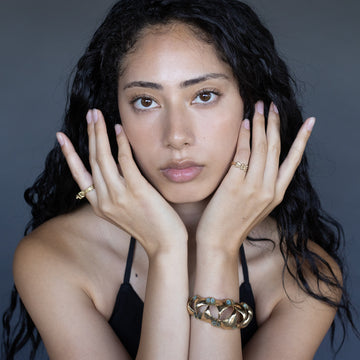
(178, 129)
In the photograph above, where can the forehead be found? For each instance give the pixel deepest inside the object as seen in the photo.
(171, 51)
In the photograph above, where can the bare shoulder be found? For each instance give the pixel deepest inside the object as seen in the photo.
(282, 305)
(59, 272)
(44, 251)
(66, 250)
(266, 257)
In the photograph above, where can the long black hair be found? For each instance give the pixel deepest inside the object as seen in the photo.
(242, 41)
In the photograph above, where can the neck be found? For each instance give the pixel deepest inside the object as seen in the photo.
(190, 214)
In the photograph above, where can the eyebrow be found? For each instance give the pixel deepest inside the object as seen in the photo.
(184, 84)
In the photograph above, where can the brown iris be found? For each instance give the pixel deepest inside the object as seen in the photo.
(205, 97)
(146, 102)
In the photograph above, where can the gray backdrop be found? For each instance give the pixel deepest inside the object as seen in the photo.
(41, 41)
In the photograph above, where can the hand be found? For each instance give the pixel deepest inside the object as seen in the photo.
(127, 200)
(244, 199)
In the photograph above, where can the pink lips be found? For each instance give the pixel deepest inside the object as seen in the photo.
(182, 171)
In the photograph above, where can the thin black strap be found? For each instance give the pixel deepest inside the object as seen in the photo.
(244, 264)
(129, 260)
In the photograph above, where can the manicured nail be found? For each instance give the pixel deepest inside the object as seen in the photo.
(95, 115)
(310, 124)
(89, 117)
(275, 108)
(118, 129)
(259, 106)
(246, 124)
(60, 139)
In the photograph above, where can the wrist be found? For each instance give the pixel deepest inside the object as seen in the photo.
(168, 255)
(217, 256)
(167, 248)
(216, 273)
(215, 250)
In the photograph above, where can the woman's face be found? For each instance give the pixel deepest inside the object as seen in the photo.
(181, 111)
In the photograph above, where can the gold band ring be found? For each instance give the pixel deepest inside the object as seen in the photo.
(240, 165)
(81, 194)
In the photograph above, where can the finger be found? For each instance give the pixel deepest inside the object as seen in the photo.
(242, 155)
(293, 159)
(274, 146)
(259, 144)
(104, 158)
(78, 171)
(98, 179)
(127, 164)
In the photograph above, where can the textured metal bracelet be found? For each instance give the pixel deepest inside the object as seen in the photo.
(230, 315)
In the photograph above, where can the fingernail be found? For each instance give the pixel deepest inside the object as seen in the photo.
(246, 124)
(259, 106)
(60, 139)
(275, 108)
(118, 129)
(95, 115)
(89, 117)
(310, 124)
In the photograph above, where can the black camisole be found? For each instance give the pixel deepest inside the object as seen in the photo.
(126, 318)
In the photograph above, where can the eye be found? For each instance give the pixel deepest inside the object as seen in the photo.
(206, 97)
(144, 103)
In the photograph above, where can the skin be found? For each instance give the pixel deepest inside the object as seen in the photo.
(75, 263)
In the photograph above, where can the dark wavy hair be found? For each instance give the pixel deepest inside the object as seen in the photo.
(248, 47)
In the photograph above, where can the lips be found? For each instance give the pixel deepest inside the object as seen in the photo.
(181, 171)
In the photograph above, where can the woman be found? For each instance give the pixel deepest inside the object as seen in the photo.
(184, 135)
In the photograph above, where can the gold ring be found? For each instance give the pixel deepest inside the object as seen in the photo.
(240, 165)
(81, 194)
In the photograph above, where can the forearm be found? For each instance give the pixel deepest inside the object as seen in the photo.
(216, 276)
(165, 327)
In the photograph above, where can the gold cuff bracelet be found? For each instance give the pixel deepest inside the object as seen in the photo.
(225, 313)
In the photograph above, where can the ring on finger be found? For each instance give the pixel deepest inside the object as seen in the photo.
(240, 165)
(81, 194)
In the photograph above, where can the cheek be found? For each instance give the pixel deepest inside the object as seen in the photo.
(231, 117)
(136, 137)
(141, 147)
(225, 135)
(140, 133)
(144, 149)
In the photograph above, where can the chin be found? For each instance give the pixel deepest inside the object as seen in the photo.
(186, 197)
(189, 192)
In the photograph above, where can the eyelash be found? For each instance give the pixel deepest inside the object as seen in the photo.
(199, 93)
(208, 91)
(139, 97)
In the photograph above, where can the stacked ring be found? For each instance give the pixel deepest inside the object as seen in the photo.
(240, 165)
(81, 194)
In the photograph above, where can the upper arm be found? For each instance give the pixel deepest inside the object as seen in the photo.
(299, 322)
(293, 331)
(67, 320)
